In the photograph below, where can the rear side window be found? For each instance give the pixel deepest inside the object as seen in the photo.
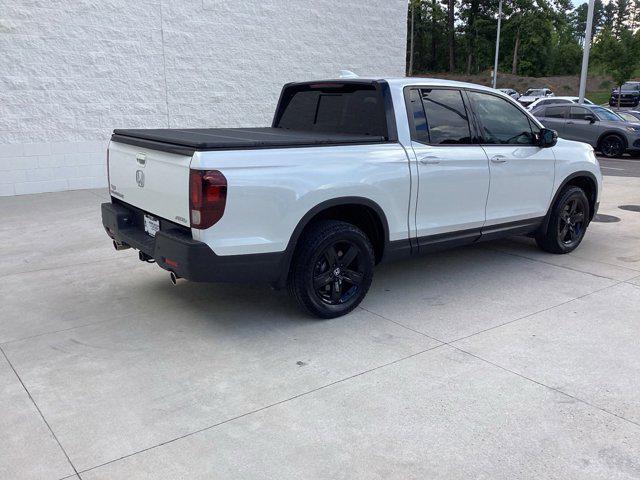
(500, 121)
(446, 117)
(333, 108)
(555, 112)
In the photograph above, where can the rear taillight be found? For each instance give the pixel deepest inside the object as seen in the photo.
(108, 176)
(207, 197)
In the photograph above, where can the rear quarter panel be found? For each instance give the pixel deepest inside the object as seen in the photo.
(270, 190)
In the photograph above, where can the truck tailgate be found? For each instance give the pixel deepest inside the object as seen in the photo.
(154, 181)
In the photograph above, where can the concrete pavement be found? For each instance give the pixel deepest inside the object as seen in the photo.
(493, 361)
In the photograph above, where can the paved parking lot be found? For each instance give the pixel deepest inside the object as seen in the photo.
(494, 361)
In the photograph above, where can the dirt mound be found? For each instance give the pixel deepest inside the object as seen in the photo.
(560, 85)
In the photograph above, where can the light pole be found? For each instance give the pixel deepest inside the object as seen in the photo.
(495, 62)
(411, 4)
(585, 52)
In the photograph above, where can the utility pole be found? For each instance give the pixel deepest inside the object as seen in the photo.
(411, 45)
(585, 52)
(495, 62)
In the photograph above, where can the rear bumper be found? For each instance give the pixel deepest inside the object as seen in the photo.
(175, 251)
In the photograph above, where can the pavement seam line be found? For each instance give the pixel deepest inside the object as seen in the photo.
(81, 264)
(495, 326)
(578, 399)
(55, 437)
(266, 407)
(537, 312)
(632, 271)
(450, 344)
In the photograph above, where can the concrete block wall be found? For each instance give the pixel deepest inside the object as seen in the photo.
(73, 70)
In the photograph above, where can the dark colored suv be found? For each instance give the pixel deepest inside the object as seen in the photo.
(629, 97)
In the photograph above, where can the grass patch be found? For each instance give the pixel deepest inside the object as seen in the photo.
(599, 96)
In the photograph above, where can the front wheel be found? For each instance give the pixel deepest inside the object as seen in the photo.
(332, 269)
(567, 222)
(611, 146)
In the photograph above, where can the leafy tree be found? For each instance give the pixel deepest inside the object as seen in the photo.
(619, 56)
(539, 37)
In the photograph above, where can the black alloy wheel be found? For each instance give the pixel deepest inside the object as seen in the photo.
(612, 146)
(567, 222)
(571, 222)
(332, 268)
(338, 272)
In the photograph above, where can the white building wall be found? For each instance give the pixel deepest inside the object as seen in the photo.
(73, 70)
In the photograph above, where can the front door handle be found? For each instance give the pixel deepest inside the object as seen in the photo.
(429, 160)
(498, 159)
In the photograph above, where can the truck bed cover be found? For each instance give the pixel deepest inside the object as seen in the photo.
(187, 141)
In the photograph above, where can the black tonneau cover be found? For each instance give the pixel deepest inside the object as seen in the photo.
(187, 141)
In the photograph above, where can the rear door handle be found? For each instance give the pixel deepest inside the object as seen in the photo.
(498, 159)
(429, 160)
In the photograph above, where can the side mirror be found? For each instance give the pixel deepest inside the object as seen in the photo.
(548, 138)
(590, 118)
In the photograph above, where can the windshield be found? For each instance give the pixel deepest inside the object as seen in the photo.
(606, 114)
(534, 92)
(628, 117)
(630, 87)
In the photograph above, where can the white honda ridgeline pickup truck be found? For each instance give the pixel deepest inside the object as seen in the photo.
(352, 172)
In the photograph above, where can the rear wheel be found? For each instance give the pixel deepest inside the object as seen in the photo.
(611, 146)
(332, 269)
(567, 223)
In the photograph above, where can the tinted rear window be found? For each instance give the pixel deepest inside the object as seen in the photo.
(447, 120)
(333, 107)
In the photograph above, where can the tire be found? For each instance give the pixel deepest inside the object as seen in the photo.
(612, 146)
(568, 221)
(322, 280)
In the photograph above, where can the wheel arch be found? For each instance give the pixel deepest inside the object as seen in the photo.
(583, 179)
(613, 132)
(373, 222)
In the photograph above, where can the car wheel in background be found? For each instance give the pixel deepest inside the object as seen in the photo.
(567, 223)
(611, 146)
(332, 269)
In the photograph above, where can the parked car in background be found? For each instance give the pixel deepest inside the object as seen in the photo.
(314, 201)
(511, 92)
(555, 100)
(533, 94)
(598, 126)
(629, 95)
(632, 116)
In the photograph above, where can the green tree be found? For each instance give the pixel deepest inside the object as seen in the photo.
(618, 56)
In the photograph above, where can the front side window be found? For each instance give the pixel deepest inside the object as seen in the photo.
(446, 116)
(579, 113)
(501, 122)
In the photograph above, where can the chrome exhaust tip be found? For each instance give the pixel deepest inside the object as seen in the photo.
(174, 278)
(120, 246)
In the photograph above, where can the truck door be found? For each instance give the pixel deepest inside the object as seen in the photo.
(522, 173)
(453, 171)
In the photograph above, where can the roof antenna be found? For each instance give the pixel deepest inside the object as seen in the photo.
(347, 74)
